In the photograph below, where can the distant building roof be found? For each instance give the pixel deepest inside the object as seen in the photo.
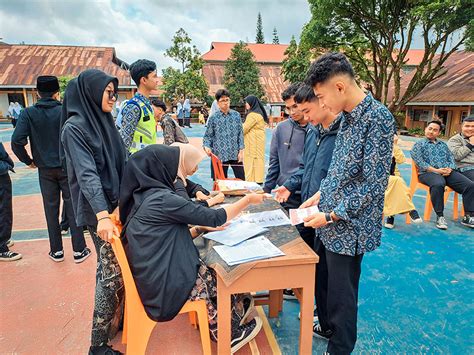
(21, 64)
(263, 53)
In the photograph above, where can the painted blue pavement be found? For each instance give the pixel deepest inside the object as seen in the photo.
(416, 291)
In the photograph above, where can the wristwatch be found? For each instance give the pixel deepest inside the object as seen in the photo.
(328, 218)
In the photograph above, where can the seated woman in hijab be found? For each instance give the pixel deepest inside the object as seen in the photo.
(189, 159)
(159, 244)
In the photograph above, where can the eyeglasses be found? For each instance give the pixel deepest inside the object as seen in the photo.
(112, 94)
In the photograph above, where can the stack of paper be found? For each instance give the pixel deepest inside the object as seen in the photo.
(235, 233)
(250, 250)
(297, 216)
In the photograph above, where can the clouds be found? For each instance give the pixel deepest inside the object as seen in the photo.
(145, 29)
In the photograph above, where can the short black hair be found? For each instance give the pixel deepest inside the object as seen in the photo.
(327, 66)
(222, 92)
(439, 123)
(469, 118)
(290, 91)
(46, 95)
(141, 68)
(305, 94)
(159, 103)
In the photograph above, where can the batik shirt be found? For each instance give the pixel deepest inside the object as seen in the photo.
(358, 175)
(131, 114)
(426, 153)
(224, 135)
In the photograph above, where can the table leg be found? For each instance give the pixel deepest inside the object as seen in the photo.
(223, 320)
(273, 303)
(306, 321)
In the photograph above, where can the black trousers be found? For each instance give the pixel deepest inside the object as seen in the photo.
(187, 122)
(6, 211)
(237, 168)
(457, 181)
(337, 294)
(53, 182)
(180, 121)
(294, 201)
(469, 174)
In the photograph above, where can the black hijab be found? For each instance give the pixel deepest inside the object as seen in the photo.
(154, 167)
(256, 106)
(82, 108)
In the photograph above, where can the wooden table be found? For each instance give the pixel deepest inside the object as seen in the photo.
(295, 270)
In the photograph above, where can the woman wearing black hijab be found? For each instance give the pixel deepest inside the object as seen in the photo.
(159, 244)
(95, 160)
(254, 140)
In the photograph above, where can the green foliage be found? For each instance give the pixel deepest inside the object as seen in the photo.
(241, 74)
(416, 131)
(63, 81)
(296, 63)
(470, 38)
(259, 38)
(189, 81)
(276, 40)
(377, 34)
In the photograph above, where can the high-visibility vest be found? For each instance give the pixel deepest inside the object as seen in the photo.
(145, 132)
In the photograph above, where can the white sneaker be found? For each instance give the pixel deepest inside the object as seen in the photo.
(441, 223)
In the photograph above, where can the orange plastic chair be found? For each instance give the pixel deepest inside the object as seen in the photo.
(137, 325)
(218, 172)
(415, 184)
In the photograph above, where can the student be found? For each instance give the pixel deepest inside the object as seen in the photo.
(462, 147)
(6, 208)
(171, 131)
(138, 127)
(187, 113)
(159, 243)
(350, 198)
(437, 169)
(224, 136)
(254, 140)
(35, 123)
(397, 194)
(95, 158)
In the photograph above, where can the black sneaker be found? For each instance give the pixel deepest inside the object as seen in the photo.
(80, 256)
(249, 305)
(468, 221)
(415, 217)
(441, 223)
(10, 256)
(288, 294)
(57, 256)
(245, 333)
(103, 350)
(317, 331)
(390, 222)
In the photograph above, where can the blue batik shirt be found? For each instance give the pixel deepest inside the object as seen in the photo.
(426, 153)
(357, 178)
(224, 135)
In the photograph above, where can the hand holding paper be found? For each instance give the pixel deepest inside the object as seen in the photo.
(297, 216)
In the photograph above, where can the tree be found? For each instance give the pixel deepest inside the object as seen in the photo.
(63, 81)
(276, 40)
(241, 74)
(259, 38)
(189, 81)
(296, 62)
(377, 34)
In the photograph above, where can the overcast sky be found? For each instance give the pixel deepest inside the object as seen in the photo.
(144, 29)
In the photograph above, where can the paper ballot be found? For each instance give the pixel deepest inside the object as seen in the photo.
(265, 219)
(250, 250)
(235, 233)
(239, 185)
(297, 215)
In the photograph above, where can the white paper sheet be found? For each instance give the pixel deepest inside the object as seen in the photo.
(265, 219)
(235, 233)
(250, 250)
(239, 185)
(297, 215)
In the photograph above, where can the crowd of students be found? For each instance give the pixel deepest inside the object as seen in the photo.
(337, 150)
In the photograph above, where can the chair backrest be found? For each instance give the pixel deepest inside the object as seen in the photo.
(217, 167)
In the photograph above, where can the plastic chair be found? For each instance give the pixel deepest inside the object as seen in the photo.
(218, 172)
(137, 325)
(415, 184)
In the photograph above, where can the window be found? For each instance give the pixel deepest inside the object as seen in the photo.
(422, 115)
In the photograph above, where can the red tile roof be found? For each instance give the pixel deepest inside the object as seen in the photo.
(21, 64)
(263, 53)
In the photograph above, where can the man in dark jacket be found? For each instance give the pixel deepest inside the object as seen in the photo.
(6, 213)
(40, 124)
(318, 149)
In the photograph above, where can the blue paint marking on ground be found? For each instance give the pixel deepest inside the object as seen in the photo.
(416, 290)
